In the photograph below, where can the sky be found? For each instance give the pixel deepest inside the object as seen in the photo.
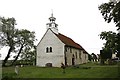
(78, 19)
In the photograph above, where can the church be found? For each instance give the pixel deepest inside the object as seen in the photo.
(55, 48)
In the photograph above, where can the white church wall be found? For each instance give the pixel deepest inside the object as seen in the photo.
(56, 56)
(83, 57)
(86, 58)
(77, 56)
(69, 56)
(76, 52)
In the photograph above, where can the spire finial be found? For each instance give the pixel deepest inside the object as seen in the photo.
(52, 19)
(52, 13)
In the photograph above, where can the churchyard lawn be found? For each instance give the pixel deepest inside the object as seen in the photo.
(89, 70)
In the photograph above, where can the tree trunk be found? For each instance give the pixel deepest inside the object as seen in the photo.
(6, 58)
(17, 55)
(102, 62)
(109, 61)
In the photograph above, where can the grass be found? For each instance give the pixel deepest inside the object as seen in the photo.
(89, 70)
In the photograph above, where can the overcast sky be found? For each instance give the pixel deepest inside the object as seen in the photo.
(78, 19)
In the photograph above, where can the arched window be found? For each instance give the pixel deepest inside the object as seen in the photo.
(50, 49)
(76, 54)
(47, 50)
(80, 55)
(70, 50)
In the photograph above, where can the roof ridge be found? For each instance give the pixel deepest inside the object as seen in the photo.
(68, 41)
(67, 37)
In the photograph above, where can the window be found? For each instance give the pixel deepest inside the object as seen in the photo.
(73, 56)
(70, 50)
(76, 55)
(80, 55)
(48, 49)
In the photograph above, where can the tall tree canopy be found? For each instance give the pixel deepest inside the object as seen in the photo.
(17, 40)
(25, 39)
(29, 55)
(8, 35)
(111, 13)
(111, 40)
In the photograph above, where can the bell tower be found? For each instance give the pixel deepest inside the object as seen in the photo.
(52, 25)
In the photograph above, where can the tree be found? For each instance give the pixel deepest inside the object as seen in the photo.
(110, 47)
(105, 54)
(118, 45)
(25, 40)
(7, 35)
(102, 57)
(111, 12)
(29, 55)
(94, 57)
(89, 57)
(16, 40)
(111, 40)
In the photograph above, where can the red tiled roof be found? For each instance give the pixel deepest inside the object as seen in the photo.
(68, 41)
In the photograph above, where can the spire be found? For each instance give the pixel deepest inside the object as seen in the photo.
(52, 25)
(52, 19)
(52, 13)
